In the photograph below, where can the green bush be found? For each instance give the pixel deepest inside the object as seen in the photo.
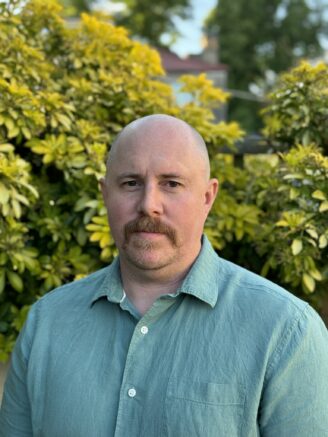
(65, 94)
(298, 112)
(272, 216)
(294, 194)
(293, 235)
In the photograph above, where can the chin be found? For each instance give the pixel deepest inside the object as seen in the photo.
(150, 261)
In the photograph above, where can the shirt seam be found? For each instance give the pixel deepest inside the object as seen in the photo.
(205, 403)
(35, 326)
(281, 345)
(249, 286)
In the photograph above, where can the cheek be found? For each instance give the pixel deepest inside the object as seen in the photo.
(119, 213)
(115, 214)
(189, 216)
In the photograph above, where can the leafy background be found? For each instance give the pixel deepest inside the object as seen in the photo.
(66, 93)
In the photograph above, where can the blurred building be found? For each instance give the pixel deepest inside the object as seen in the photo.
(206, 62)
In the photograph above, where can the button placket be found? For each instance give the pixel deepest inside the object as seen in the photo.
(132, 394)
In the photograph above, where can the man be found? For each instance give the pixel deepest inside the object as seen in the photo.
(169, 340)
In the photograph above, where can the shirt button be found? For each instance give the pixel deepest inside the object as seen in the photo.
(132, 392)
(144, 330)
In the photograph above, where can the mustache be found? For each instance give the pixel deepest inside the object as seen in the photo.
(149, 224)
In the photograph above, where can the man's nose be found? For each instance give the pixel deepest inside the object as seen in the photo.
(150, 201)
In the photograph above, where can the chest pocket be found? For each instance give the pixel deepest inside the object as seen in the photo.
(203, 409)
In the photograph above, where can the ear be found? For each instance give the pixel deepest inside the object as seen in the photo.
(103, 187)
(210, 194)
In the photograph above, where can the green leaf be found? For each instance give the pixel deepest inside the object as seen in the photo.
(293, 194)
(312, 232)
(306, 138)
(282, 223)
(323, 241)
(12, 133)
(324, 206)
(9, 123)
(2, 280)
(318, 195)
(4, 194)
(15, 281)
(308, 282)
(3, 258)
(239, 232)
(16, 208)
(297, 246)
(265, 269)
(293, 176)
(27, 133)
(315, 274)
(5, 148)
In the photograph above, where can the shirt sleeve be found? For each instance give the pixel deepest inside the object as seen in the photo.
(295, 396)
(15, 413)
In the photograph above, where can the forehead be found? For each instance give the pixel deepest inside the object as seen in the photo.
(156, 146)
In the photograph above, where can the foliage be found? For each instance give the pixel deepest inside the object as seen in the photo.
(295, 238)
(271, 216)
(294, 234)
(151, 21)
(65, 94)
(259, 36)
(298, 110)
(143, 18)
(232, 218)
(73, 8)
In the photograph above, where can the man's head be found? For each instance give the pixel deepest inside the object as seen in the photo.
(158, 193)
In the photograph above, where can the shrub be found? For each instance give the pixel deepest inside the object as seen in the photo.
(298, 111)
(65, 94)
(271, 216)
(294, 235)
(294, 195)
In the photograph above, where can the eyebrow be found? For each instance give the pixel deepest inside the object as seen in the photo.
(171, 176)
(128, 175)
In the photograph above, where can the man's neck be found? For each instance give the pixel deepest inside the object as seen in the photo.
(143, 288)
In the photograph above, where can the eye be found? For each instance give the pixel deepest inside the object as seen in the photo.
(130, 184)
(172, 184)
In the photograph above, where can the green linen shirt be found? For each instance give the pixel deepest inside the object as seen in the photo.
(230, 354)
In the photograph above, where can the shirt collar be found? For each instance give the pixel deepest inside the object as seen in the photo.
(111, 286)
(201, 280)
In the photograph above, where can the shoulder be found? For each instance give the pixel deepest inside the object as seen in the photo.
(267, 314)
(75, 295)
(63, 306)
(251, 289)
(261, 307)
(238, 287)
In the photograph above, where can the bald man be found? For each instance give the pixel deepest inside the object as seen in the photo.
(169, 340)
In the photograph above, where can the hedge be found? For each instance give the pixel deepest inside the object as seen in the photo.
(65, 94)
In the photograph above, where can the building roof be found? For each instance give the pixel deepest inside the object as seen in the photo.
(172, 63)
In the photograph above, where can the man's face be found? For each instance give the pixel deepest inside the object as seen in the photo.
(158, 196)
